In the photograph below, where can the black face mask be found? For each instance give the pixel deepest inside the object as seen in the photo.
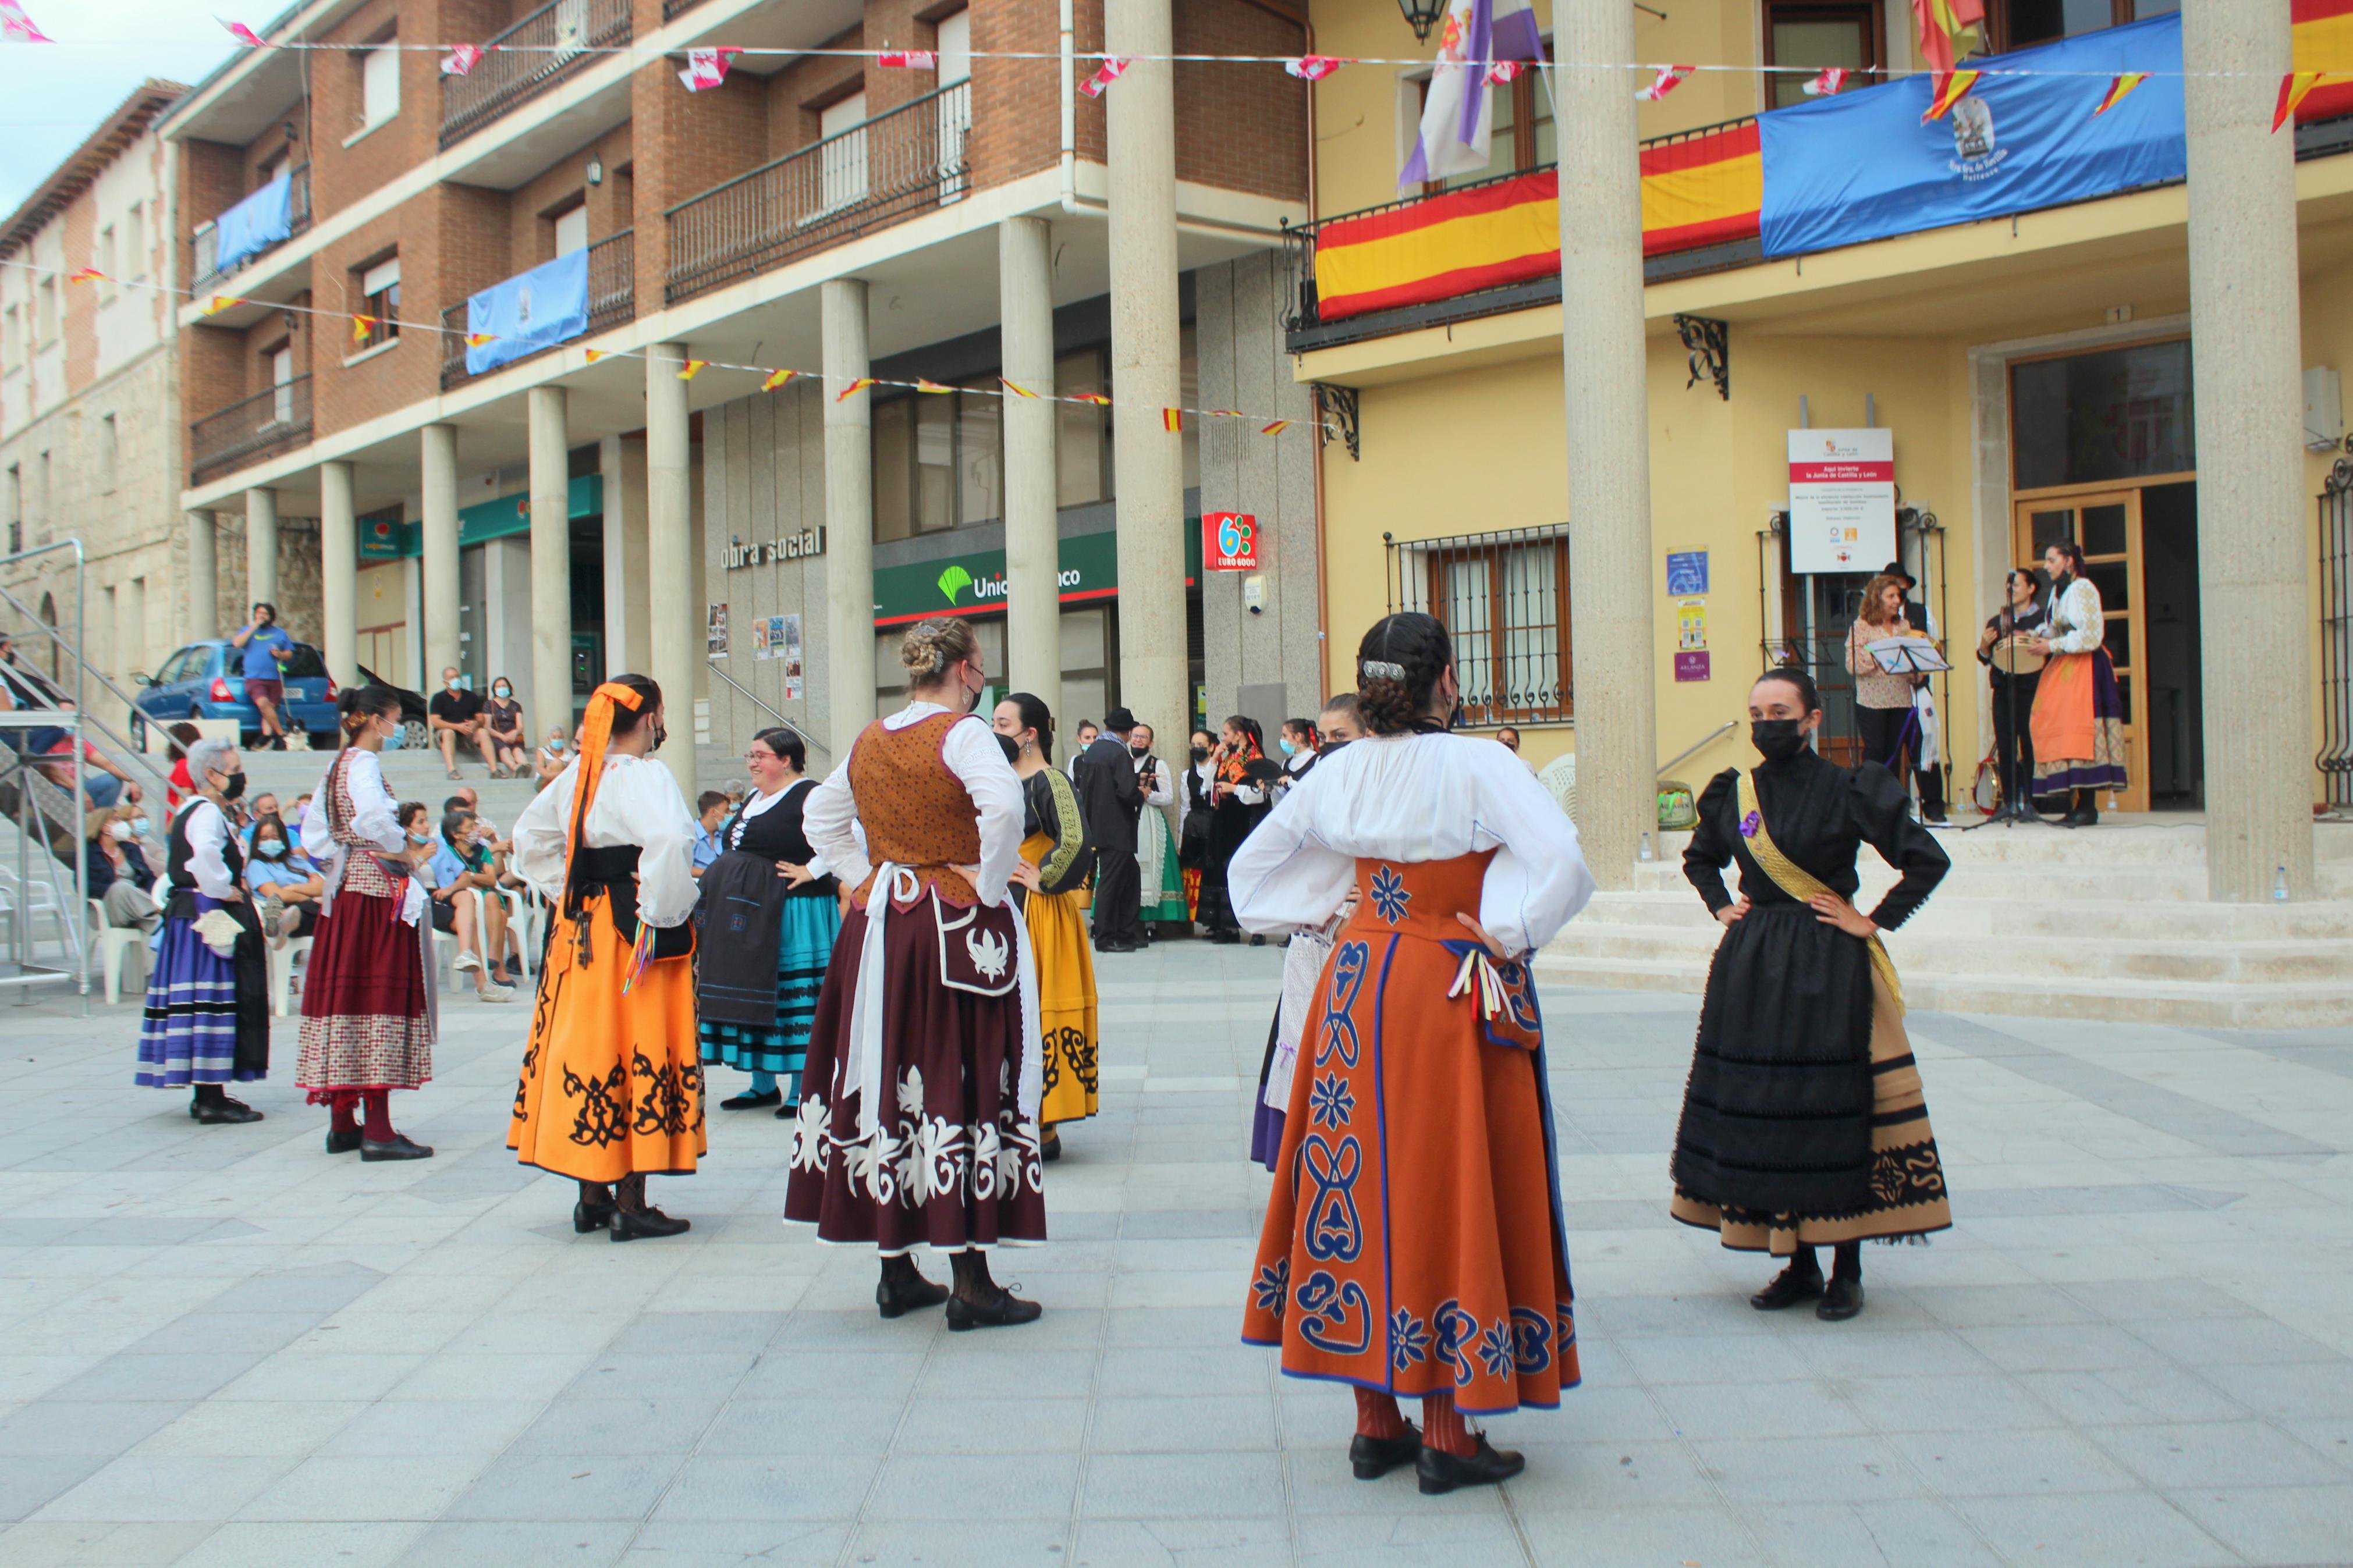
(661, 735)
(1200, 754)
(1330, 748)
(1139, 753)
(1777, 738)
(233, 786)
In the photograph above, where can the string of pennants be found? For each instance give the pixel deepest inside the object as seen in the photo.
(708, 68)
(771, 379)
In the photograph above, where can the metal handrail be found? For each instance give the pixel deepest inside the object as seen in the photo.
(1699, 745)
(807, 739)
(297, 222)
(85, 668)
(528, 58)
(29, 811)
(247, 436)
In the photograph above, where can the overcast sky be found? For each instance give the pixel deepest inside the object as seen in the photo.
(53, 95)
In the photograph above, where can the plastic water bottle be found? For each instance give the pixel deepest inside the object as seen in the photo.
(1645, 852)
(2279, 885)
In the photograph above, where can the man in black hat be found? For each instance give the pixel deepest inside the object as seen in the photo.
(1110, 798)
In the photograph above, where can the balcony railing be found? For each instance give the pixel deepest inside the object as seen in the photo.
(612, 301)
(206, 268)
(672, 9)
(528, 58)
(906, 161)
(262, 425)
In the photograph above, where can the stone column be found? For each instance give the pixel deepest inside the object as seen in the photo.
(848, 519)
(1607, 399)
(261, 551)
(622, 461)
(550, 700)
(2254, 535)
(670, 618)
(204, 576)
(339, 574)
(1033, 608)
(1146, 368)
(441, 546)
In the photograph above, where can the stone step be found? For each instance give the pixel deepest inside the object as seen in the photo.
(2057, 881)
(1947, 914)
(2118, 840)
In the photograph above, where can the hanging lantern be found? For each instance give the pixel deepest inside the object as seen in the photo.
(1421, 16)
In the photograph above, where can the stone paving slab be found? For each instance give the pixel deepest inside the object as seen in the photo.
(218, 1346)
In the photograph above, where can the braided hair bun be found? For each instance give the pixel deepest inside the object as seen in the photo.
(933, 647)
(1398, 667)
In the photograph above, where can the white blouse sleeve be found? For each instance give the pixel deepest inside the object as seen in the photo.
(539, 833)
(1285, 878)
(207, 837)
(830, 823)
(2081, 610)
(1539, 879)
(372, 805)
(972, 753)
(654, 817)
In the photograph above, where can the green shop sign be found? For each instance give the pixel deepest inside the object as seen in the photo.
(384, 537)
(973, 584)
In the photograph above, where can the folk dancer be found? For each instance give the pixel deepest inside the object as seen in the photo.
(1413, 1243)
(1051, 883)
(771, 911)
(919, 1109)
(368, 1020)
(1803, 1124)
(611, 1091)
(208, 1023)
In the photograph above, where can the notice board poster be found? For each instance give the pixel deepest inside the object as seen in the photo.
(1842, 499)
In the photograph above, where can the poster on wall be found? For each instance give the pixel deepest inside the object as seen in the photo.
(791, 654)
(759, 636)
(1691, 625)
(1686, 573)
(1842, 499)
(775, 636)
(1691, 666)
(715, 640)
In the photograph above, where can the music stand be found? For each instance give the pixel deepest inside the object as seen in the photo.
(2020, 808)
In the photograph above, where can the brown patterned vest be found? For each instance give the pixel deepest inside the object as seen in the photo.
(916, 813)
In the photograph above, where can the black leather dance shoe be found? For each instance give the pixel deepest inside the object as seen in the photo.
(627, 1224)
(587, 1216)
(897, 1299)
(1789, 1288)
(1004, 1311)
(223, 1112)
(1051, 1148)
(1842, 1300)
(343, 1142)
(749, 1101)
(1372, 1457)
(1441, 1472)
(396, 1147)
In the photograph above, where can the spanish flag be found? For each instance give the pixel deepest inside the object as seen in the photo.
(595, 354)
(1015, 388)
(2322, 31)
(1277, 428)
(1174, 418)
(218, 303)
(853, 389)
(1097, 398)
(692, 369)
(1951, 86)
(87, 275)
(475, 340)
(926, 383)
(2117, 90)
(777, 378)
(361, 327)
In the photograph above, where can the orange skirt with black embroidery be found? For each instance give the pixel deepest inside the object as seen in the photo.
(1413, 1242)
(611, 1085)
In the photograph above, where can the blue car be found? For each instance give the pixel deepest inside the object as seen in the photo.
(198, 682)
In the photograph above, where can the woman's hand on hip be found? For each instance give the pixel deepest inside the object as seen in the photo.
(1833, 911)
(1731, 913)
(1486, 940)
(795, 876)
(1025, 875)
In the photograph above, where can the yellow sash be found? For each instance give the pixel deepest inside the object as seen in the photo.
(1802, 884)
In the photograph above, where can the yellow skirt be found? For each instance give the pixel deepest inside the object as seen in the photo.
(611, 1086)
(1066, 1006)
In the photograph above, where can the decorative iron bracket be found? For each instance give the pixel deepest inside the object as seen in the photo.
(1337, 404)
(1708, 342)
(2340, 472)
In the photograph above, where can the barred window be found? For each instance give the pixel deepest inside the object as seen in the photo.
(1503, 600)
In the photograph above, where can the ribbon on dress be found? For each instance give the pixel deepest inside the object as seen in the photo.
(1802, 884)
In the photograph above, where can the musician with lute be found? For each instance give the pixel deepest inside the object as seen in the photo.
(2006, 647)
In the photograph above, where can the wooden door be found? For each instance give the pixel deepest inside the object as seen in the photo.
(2106, 524)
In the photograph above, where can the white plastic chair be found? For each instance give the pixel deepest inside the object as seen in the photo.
(113, 942)
(281, 972)
(38, 902)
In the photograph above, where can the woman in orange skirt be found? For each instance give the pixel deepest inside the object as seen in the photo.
(612, 1087)
(1413, 1243)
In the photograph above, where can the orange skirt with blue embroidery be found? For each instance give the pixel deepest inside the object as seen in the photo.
(1413, 1242)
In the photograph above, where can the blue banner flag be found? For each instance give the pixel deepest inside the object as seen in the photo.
(1863, 166)
(263, 219)
(528, 312)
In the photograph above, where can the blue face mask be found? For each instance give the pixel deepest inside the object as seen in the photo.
(271, 849)
(420, 838)
(138, 826)
(1290, 746)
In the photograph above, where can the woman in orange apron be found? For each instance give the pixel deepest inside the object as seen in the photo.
(1413, 1244)
(2079, 710)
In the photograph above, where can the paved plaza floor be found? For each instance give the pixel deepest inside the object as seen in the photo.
(220, 1346)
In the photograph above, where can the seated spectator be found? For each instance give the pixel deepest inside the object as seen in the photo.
(507, 739)
(554, 756)
(119, 876)
(285, 887)
(455, 714)
(463, 882)
(710, 809)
